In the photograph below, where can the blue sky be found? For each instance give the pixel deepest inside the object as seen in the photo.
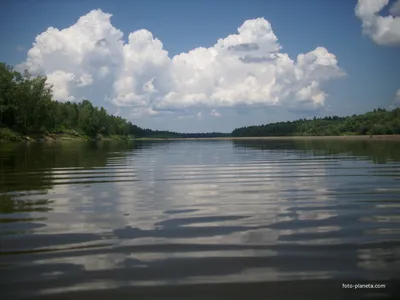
(363, 77)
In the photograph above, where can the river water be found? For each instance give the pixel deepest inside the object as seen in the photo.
(216, 219)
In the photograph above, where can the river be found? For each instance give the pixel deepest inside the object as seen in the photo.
(216, 219)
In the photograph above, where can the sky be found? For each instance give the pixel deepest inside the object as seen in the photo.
(210, 65)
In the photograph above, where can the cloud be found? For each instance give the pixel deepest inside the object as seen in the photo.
(255, 59)
(199, 115)
(397, 99)
(395, 9)
(247, 68)
(214, 113)
(384, 30)
(139, 112)
(61, 82)
(244, 47)
(185, 117)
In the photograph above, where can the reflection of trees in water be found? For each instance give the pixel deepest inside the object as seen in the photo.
(377, 151)
(28, 171)
(13, 204)
(30, 166)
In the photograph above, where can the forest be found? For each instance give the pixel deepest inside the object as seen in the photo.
(377, 122)
(27, 107)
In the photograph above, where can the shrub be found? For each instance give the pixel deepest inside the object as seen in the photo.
(8, 135)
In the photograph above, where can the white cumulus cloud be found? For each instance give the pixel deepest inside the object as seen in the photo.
(384, 30)
(245, 68)
(397, 99)
(61, 82)
(143, 111)
(214, 113)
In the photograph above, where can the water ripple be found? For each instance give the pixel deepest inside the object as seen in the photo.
(111, 216)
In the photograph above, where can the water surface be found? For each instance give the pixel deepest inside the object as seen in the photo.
(219, 219)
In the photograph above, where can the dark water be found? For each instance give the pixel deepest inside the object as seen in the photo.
(199, 219)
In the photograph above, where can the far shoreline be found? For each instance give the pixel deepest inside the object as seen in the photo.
(66, 137)
(395, 137)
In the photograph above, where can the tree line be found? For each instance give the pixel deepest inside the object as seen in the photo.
(26, 106)
(377, 122)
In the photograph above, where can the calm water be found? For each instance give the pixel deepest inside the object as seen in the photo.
(199, 219)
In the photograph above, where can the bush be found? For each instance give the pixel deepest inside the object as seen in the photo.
(8, 135)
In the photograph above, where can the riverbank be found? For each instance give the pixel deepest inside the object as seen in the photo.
(9, 136)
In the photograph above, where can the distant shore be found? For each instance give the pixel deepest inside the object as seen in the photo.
(344, 137)
(77, 137)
